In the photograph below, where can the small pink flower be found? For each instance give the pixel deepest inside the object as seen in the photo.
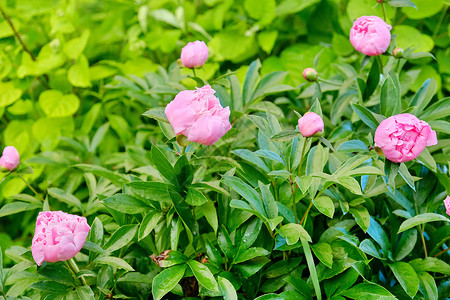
(58, 236)
(447, 205)
(310, 124)
(370, 35)
(198, 115)
(10, 158)
(403, 137)
(194, 54)
(310, 74)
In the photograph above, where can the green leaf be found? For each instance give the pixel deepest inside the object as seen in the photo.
(324, 253)
(379, 235)
(250, 81)
(406, 276)
(163, 165)
(227, 289)
(17, 207)
(225, 243)
(438, 110)
(185, 212)
(75, 47)
(195, 197)
(430, 264)
(149, 223)
(121, 237)
(251, 234)
(421, 219)
(9, 94)
(136, 277)
(406, 244)
(113, 262)
(423, 96)
(285, 135)
(246, 191)
(372, 79)
(84, 292)
(368, 247)
(117, 179)
(203, 275)
(325, 205)
(427, 286)
(78, 74)
(368, 291)
(50, 286)
(351, 184)
(271, 84)
(126, 204)
(293, 232)
(165, 281)
(263, 11)
(250, 253)
(55, 104)
(390, 96)
(366, 116)
(402, 3)
(66, 197)
(252, 158)
(353, 146)
(312, 268)
(427, 159)
(362, 217)
(157, 113)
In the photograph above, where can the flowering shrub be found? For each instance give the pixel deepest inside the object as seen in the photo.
(285, 154)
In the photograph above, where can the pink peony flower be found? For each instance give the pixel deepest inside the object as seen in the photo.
(194, 54)
(10, 158)
(447, 205)
(198, 115)
(403, 137)
(310, 74)
(370, 35)
(310, 124)
(58, 236)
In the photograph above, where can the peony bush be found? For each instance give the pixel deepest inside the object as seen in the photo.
(225, 150)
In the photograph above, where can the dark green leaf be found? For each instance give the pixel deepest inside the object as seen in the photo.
(165, 281)
(406, 276)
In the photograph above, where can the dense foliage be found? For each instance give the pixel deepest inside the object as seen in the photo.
(264, 212)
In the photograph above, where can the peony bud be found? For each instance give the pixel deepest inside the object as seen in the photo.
(10, 158)
(310, 74)
(194, 54)
(403, 137)
(370, 35)
(310, 124)
(182, 140)
(447, 205)
(58, 236)
(398, 52)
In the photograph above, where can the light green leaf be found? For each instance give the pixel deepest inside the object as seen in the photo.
(227, 289)
(325, 205)
(113, 262)
(9, 94)
(165, 281)
(203, 275)
(66, 198)
(421, 219)
(78, 74)
(406, 276)
(293, 232)
(324, 253)
(55, 104)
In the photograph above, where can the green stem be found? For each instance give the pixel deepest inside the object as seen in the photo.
(380, 61)
(74, 267)
(438, 26)
(306, 212)
(303, 157)
(294, 208)
(193, 71)
(443, 251)
(423, 241)
(183, 150)
(31, 188)
(384, 11)
(4, 295)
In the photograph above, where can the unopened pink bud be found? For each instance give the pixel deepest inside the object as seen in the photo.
(310, 124)
(447, 205)
(10, 158)
(194, 54)
(310, 74)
